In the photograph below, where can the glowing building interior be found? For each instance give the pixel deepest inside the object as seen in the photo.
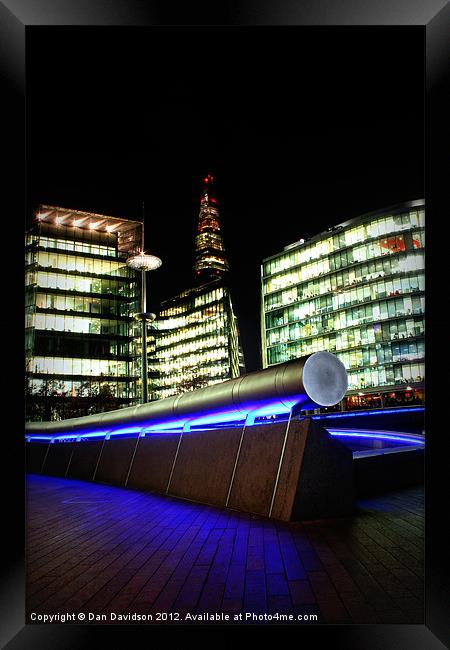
(80, 300)
(356, 290)
(197, 342)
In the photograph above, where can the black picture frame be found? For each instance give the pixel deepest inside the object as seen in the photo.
(15, 17)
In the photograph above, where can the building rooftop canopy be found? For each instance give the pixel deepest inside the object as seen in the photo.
(85, 220)
(127, 231)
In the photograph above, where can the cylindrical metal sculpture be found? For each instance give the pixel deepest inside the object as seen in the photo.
(319, 379)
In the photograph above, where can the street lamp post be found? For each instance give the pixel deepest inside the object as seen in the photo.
(143, 263)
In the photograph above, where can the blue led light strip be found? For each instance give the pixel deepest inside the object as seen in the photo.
(400, 409)
(379, 435)
(231, 419)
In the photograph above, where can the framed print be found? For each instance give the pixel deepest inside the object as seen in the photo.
(227, 305)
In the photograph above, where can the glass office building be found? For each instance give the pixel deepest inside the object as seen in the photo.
(197, 342)
(356, 290)
(81, 337)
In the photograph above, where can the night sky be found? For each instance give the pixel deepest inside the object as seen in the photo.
(303, 128)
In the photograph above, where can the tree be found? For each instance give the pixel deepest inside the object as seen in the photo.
(52, 402)
(193, 378)
(46, 402)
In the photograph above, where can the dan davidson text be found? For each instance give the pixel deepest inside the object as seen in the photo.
(159, 616)
(81, 617)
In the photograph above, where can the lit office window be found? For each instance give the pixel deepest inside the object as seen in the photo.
(354, 293)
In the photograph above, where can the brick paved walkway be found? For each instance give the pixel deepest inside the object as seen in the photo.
(101, 549)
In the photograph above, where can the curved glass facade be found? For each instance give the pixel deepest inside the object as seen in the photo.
(356, 290)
